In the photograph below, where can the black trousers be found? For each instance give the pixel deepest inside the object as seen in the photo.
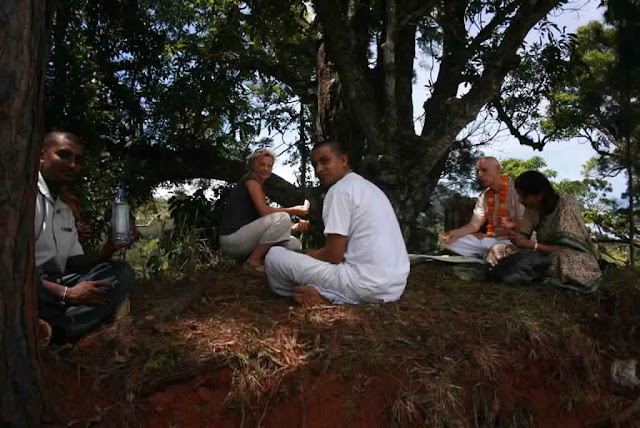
(73, 322)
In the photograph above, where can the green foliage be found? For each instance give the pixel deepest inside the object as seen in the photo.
(164, 360)
(584, 99)
(151, 214)
(512, 167)
(598, 101)
(179, 240)
(193, 210)
(136, 78)
(145, 83)
(591, 93)
(182, 249)
(177, 250)
(459, 170)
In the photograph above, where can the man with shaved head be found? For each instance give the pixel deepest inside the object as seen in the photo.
(497, 207)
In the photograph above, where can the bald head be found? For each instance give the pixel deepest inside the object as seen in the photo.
(489, 162)
(488, 169)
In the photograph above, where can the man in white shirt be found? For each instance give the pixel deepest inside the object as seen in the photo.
(498, 206)
(364, 258)
(76, 291)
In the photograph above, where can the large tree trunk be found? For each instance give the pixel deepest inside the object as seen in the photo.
(23, 41)
(404, 165)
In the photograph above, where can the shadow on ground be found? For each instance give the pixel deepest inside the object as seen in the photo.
(220, 350)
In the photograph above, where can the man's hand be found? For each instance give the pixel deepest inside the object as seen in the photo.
(300, 227)
(519, 240)
(451, 236)
(133, 235)
(333, 250)
(507, 223)
(89, 293)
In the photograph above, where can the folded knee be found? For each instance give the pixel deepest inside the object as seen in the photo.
(280, 220)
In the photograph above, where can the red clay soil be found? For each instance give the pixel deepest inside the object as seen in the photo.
(312, 396)
(69, 395)
(309, 400)
(546, 399)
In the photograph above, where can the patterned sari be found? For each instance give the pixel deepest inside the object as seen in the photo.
(575, 267)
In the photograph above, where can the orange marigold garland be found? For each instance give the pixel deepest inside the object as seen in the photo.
(502, 208)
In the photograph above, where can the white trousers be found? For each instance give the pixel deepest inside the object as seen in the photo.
(472, 246)
(271, 229)
(286, 270)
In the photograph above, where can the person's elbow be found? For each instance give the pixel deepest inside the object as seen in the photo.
(335, 258)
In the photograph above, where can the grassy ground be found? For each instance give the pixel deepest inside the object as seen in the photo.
(217, 349)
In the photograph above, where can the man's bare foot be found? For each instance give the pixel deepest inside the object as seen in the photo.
(44, 334)
(306, 295)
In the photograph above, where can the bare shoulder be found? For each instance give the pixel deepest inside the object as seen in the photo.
(252, 183)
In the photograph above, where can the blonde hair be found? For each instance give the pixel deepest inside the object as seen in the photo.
(260, 153)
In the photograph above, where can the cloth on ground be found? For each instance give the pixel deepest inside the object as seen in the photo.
(465, 268)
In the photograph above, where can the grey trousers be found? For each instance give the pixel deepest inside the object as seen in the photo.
(72, 322)
(274, 229)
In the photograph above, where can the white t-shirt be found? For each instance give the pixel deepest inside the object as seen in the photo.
(56, 234)
(375, 262)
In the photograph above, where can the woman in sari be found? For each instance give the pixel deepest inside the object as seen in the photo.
(560, 234)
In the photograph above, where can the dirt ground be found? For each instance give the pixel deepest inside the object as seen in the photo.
(220, 350)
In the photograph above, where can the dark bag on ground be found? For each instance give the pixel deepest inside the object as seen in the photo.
(521, 267)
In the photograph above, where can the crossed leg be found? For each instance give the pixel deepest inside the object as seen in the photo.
(307, 280)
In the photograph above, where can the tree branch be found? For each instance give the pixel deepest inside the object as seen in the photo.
(340, 43)
(487, 31)
(503, 60)
(389, 61)
(415, 11)
(190, 164)
(522, 139)
(404, 58)
(280, 71)
(453, 61)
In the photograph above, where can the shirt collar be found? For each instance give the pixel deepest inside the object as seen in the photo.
(43, 188)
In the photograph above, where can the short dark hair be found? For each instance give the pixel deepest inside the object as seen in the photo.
(333, 144)
(55, 136)
(535, 183)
